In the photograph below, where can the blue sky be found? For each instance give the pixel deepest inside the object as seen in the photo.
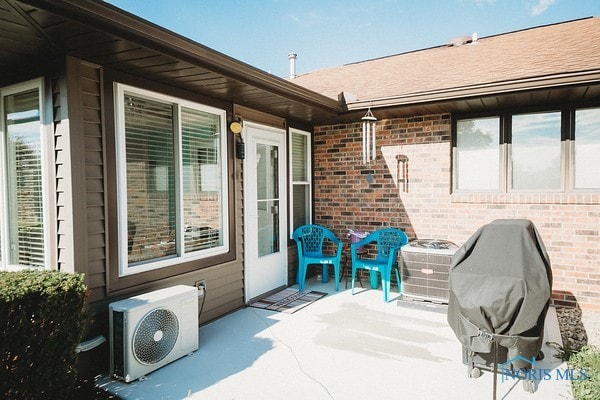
(326, 33)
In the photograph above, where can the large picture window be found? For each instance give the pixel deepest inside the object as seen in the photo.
(172, 180)
(24, 226)
(533, 152)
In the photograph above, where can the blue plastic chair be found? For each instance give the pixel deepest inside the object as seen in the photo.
(389, 241)
(310, 239)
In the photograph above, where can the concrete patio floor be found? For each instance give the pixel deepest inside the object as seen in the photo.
(340, 347)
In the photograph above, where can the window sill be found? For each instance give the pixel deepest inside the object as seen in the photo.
(526, 198)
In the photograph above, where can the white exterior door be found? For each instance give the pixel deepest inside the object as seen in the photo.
(265, 215)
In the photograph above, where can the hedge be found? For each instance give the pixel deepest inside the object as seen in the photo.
(42, 319)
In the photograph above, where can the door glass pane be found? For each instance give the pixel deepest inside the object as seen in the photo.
(587, 149)
(24, 167)
(478, 154)
(202, 210)
(267, 172)
(149, 147)
(536, 151)
(267, 186)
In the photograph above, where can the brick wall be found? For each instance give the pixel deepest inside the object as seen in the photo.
(421, 203)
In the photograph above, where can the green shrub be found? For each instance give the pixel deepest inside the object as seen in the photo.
(41, 321)
(588, 359)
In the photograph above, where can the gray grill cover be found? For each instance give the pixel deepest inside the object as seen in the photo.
(500, 284)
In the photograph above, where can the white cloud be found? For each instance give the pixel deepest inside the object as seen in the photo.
(541, 7)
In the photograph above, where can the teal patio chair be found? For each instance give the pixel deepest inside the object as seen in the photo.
(310, 240)
(389, 241)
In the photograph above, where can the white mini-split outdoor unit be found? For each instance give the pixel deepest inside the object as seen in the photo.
(151, 330)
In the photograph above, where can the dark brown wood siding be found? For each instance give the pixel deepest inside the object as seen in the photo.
(91, 103)
(60, 121)
(79, 149)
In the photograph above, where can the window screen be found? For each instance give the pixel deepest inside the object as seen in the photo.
(150, 159)
(202, 214)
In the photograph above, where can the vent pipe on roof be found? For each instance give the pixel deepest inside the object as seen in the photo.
(459, 41)
(292, 57)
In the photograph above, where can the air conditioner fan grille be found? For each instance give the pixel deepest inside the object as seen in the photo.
(155, 336)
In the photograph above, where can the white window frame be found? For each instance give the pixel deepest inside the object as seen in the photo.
(45, 158)
(307, 182)
(181, 256)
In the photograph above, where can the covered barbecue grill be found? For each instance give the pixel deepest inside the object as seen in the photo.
(500, 284)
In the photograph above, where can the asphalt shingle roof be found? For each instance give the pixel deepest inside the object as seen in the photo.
(567, 47)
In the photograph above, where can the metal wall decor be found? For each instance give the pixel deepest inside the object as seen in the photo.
(369, 151)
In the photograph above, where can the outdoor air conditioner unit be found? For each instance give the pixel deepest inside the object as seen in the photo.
(425, 269)
(151, 330)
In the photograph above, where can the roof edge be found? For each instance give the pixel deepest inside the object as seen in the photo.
(109, 18)
(502, 87)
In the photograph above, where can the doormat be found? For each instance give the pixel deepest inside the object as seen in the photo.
(288, 300)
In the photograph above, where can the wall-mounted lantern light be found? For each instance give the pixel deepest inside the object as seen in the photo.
(369, 152)
(236, 127)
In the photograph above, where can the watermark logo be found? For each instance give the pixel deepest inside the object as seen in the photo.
(535, 373)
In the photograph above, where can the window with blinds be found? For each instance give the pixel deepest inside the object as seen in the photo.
(300, 156)
(202, 180)
(174, 180)
(24, 240)
(150, 160)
